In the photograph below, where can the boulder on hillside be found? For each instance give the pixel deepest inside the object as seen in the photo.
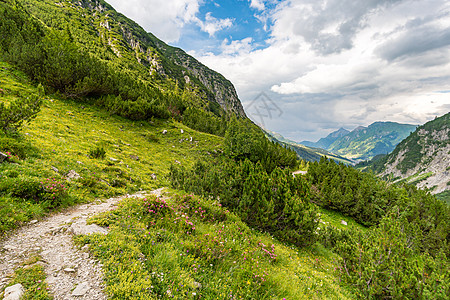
(14, 292)
(3, 157)
(134, 157)
(72, 175)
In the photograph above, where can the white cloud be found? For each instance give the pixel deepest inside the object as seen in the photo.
(211, 25)
(237, 47)
(166, 19)
(345, 63)
(257, 4)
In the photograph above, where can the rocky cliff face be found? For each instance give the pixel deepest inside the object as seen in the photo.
(221, 89)
(160, 57)
(424, 157)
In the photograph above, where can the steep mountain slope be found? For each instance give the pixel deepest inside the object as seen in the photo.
(108, 35)
(366, 142)
(325, 142)
(304, 152)
(423, 158)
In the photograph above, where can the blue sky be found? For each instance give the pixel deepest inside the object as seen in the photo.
(324, 64)
(243, 24)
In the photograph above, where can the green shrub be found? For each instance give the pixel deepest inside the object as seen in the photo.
(54, 192)
(275, 202)
(98, 152)
(16, 146)
(28, 188)
(386, 262)
(49, 192)
(202, 209)
(20, 110)
(88, 180)
(244, 140)
(358, 195)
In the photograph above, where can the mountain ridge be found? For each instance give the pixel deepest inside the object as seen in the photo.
(304, 152)
(328, 140)
(364, 143)
(128, 45)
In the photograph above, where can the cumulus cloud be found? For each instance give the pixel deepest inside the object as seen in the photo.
(327, 26)
(237, 47)
(415, 42)
(258, 4)
(166, 19)
(345, 63)
(211, 25)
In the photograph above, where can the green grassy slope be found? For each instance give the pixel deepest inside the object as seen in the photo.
(64, 133)
(195, 249)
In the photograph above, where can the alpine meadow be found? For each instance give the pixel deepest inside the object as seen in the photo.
(130, 170)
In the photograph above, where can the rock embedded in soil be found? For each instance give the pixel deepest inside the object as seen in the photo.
(14, 292)
(3, 157)
(80, 227)
(9, 247)
(81, 289)
(69, 270)
(72, 175)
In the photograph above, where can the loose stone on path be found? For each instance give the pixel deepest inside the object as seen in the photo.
(70, 272)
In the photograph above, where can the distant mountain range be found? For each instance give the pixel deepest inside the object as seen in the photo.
(304, 152)
(422, 159)
(326, 142)
(364, 143)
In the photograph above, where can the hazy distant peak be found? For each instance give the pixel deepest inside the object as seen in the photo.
(339, 133)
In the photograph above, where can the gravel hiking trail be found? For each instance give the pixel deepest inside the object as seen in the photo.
(71, 272)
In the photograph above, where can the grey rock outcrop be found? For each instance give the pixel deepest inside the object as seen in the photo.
(14, 292)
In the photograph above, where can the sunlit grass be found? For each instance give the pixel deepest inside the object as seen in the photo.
(157, 253)
(32, 277)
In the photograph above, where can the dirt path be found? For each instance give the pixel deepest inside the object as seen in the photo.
(66, 266)
(299, 172)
